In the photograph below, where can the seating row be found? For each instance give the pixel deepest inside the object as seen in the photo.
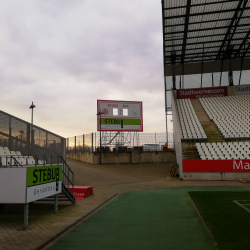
(231, 114)
(223, 151)
(15, 158)
(190, 124)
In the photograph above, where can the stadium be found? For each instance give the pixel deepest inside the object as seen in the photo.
(206, 67)
(187, 188)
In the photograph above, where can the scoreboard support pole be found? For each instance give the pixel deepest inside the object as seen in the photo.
(100, 117)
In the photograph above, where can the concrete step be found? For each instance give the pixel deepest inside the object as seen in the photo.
(212, 132)
(189, 151)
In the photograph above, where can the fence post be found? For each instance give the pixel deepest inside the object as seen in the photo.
(67, 146)
(92, 139)
(83, 143)
(26, 215)
(75, 144)
(10, 135)
(95, 142)
(46, 145)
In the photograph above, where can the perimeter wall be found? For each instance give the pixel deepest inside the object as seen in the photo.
(124, 157)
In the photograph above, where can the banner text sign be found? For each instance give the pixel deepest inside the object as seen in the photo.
(216, 166)
(43, 182)
(201, 93)
(242, 89)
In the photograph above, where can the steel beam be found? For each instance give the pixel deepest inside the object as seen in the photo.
(232, 26)
(202, 4)
(244, 41)
(212, 28)
(185, 30)
(207, 13)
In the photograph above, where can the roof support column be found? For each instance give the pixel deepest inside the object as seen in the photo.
(165, 83)
(230, 78)
(221, 69)
(174, 82)
(173, 60)
(182, 85)
(230, 73)
(202, 65)
(241, 66)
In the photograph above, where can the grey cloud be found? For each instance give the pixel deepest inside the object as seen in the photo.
(67, 54)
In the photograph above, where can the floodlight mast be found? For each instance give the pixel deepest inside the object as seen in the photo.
(32, 106)
(100, 116)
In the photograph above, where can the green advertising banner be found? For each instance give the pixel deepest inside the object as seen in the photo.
(120, 121)
(41, 175)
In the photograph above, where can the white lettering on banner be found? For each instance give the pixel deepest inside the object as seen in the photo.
(242, 166)
(201, 92)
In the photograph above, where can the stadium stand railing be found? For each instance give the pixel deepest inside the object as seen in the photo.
(30, 140)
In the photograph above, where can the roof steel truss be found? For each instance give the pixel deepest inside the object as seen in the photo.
(205, 30)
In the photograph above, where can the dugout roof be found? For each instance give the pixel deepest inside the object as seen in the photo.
(205, 36)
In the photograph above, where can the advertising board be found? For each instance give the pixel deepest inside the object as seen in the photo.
(201, 93)
(242, 89)
(119, 116)
(27, 184)
(216, 166)
(43, 182)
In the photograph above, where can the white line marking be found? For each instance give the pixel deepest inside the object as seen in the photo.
(242, 205)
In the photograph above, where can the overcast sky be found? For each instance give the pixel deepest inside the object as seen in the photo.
(65, 54)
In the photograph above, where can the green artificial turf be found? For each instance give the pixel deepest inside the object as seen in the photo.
(228, 222)
(149, 220)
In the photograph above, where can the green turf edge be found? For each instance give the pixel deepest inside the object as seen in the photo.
(228, 223)
(204, 223)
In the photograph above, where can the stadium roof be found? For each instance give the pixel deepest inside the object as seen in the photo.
(206, 35)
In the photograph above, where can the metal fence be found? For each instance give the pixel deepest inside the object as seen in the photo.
(30, 140)
(118, 141)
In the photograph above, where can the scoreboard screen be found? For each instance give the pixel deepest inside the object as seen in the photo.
(119, 116)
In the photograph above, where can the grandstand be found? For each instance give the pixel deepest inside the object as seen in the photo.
(207, 88)
(32, 165)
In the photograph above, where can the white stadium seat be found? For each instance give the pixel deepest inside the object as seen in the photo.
(231, 114)
(222, 151)
(189, 122)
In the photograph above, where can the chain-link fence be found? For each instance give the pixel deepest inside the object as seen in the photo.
(30, 140)
(118, 141)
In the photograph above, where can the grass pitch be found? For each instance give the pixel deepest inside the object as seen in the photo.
(227, 216)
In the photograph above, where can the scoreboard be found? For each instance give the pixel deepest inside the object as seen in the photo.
(120, 116)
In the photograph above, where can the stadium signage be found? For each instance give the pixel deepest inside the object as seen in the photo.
(121, 121)
(43, 182)
(28, 184)
(209, 166)
(41, 175)
(201, 93)
(242, 90)
(119, 115)
(245, 165)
